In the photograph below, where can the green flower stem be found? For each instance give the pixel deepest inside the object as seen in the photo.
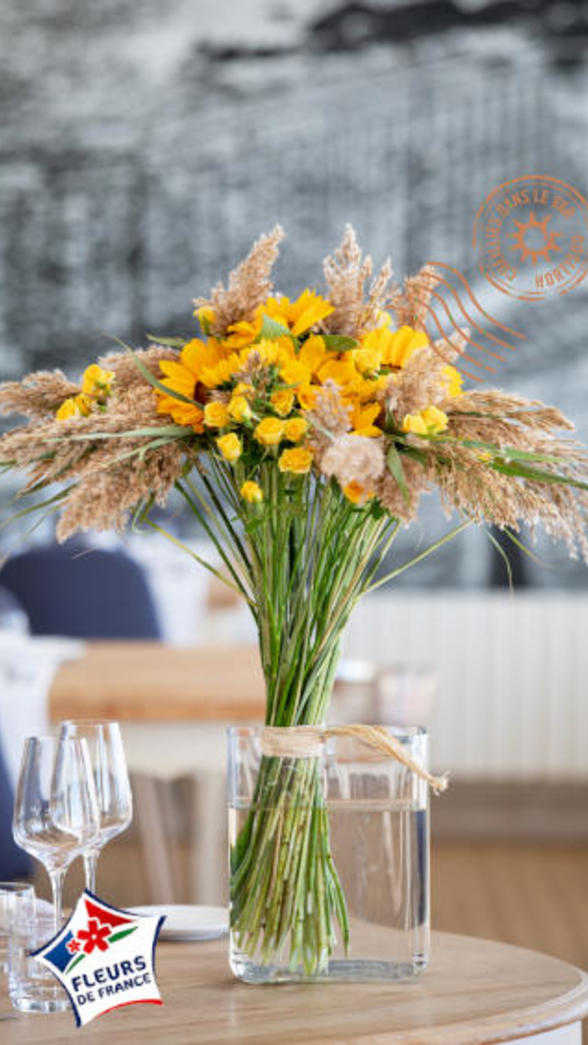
(302, 559)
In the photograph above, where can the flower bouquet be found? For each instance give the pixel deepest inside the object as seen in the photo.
(301, 434)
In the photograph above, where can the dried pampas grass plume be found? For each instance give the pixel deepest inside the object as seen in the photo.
(411, 304)
(328, 419)
(125, 367)
(249, 284)
(420, 384)
(346, 274)
(38, 395)
(108, 490)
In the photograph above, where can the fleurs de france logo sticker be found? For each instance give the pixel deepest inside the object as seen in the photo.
(104, 958)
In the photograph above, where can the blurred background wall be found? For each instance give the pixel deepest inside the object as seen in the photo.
(145, 145)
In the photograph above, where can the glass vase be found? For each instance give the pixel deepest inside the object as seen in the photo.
(329, 857)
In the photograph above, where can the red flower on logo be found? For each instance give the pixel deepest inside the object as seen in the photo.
(73, 946)
(94, 936)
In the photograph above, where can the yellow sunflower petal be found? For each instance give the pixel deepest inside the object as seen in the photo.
(313, 353)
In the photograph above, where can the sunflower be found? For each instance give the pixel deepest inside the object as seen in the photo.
(245, 332)
(395, 347)
(363, 417)
(183, 376)
(300, 315)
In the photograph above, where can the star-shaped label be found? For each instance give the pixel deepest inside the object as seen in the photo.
(104, 958)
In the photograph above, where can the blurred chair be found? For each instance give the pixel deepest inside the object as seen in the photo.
(383, 694)
(183, 813)
(404, 695)
(12, 615)
(75, 590)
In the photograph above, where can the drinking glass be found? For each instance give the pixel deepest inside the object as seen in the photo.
(31, 985)
(11, 895)
(115, 803)
(404, 694)
(56, 809)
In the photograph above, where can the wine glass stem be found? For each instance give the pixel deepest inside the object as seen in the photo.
(90, 861)
(56, 876)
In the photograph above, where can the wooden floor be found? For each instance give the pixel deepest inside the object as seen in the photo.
(534, 895)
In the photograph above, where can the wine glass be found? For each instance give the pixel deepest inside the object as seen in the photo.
(115, 803)
(56, 808)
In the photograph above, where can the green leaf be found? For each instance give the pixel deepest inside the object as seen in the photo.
(173, 431)
(523, 547)
(339, 342)
(253, 524)
(272, 329)
(503, 556)
(397, 471)
(537, 475)
(510, 452)
(171, 342)
(56, 499)
(418, 558)
(416, 454)
(153, 444)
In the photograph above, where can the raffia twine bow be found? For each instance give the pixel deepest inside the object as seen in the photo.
(307, 742)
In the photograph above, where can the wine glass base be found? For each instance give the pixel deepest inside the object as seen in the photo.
(43, 1003)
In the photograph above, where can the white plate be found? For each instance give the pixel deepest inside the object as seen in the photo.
(189, 922)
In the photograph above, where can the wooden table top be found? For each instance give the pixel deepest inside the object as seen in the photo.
(151, 682)
(475, 992)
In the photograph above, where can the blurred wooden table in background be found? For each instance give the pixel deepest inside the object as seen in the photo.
(152, 682)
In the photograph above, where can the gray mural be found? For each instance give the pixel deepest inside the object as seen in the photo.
(145, 145)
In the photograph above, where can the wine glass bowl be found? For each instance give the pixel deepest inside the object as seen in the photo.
(55, 809)
(111, 779)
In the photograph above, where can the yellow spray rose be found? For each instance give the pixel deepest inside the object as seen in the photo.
(295, 429)
(216, 415)
(96, 385)
(452, 381)
(205, 316)
(239, 409)
(429, 421)
(96, 381)
(230, 446)
(75, 406)
(298, 461)
(282, 401)
(356, 493)
(270, 431)
(251, 492)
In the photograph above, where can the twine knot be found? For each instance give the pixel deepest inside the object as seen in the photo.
(307, 742)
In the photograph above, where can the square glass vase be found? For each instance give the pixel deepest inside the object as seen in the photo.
(329, 856)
